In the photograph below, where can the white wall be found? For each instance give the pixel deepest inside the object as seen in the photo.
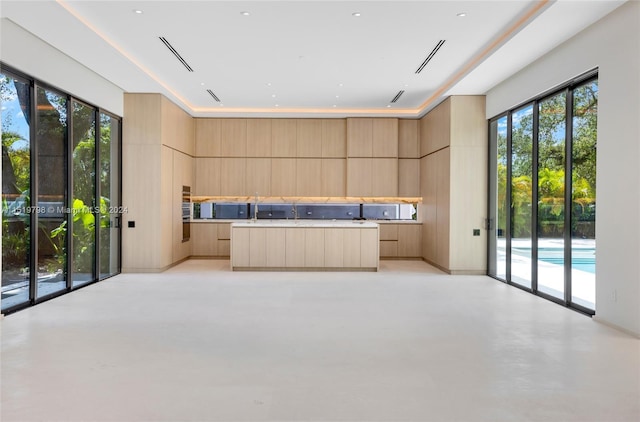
(613, 46)
(29, 54)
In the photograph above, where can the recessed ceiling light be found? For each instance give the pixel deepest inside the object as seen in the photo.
(245, 13)
(138, 11)
(461, 14)
(356, 14)
(202, 83)
(268, 83)
(388, 105)
(221, 105)
(337, 96)
(273, 95)
(277, 105)
(334, 105)
(340, 84)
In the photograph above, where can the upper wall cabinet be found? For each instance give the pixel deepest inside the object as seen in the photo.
(334, 138)
(233, 137)
(408, 139)
(283, 137)
(372, 137)
(309, 136)
(259, 138)
(207, 137)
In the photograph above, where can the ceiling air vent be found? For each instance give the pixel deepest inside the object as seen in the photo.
(213, 95)
(430, 56)
(398, 95)
(175, 53)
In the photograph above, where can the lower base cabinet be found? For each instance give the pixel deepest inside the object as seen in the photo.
(349, 247)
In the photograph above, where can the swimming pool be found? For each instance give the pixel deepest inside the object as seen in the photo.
(583, 259)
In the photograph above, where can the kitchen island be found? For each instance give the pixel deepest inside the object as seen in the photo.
(304, 245)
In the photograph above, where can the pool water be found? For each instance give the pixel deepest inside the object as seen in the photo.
(583, 259)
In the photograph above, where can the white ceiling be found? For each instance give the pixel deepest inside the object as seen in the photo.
(306, 58)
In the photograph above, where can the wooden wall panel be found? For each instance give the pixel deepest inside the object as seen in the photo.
(233, 176)
(207, 176)
(258, 176)
(207, 137)
(258, 138)
(283, 138)
(408, 177)
(334, 138)
(309, 138)
(233, 137)
(384, 138)
(408, 140)
(334, 177)
(359, 137)
(309, 177)
(283, 177)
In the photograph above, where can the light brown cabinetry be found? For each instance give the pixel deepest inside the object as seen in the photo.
(258, 138)
(292, 246)
(309, 138)
(283, 137)
(207, 176)
(334, 138)
(258, 176)
(308, 176)
(409, 177)
(233, 176)
(372, 177)
(207, 133)
(408, 138)
(233, 137)
(401, 240)
(334, 176)
(372, 137)
(210, 239)
(283, 177)
(453, 184)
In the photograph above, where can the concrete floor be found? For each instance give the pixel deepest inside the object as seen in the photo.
(409, 343)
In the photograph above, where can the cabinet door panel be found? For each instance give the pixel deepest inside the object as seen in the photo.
(276, 241)
(207, 176)
(384, 177)
(295, 239)
(258, 247)
(334, 177)
(384, 137)
(408, 177)
(283, 177)
(314, 247)
(283, 137)
(309, 177)
(309, 137)
(258, 176)
(258, 137)
(359, 137)
(207, 137)
(333, 248)
(232, 176)
(408, 141)
(334, 138)
(359, 174)
(369, 248)
(409, 240)
(233, 137)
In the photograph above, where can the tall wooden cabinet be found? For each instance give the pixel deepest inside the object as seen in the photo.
(453, 185)
(158, 145)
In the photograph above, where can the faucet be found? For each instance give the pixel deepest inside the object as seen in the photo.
(294, 210)
(255, 208)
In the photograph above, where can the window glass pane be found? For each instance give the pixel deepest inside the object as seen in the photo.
(551, 207)
(84, 174)
(521, 194)
(16, 160)
(500, 202)
(110, 211)
(583, 207)
(51, 129)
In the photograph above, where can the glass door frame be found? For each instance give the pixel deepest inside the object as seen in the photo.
(492, 209)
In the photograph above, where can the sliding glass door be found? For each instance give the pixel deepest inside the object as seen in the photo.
(60, 192)
(542, 195)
